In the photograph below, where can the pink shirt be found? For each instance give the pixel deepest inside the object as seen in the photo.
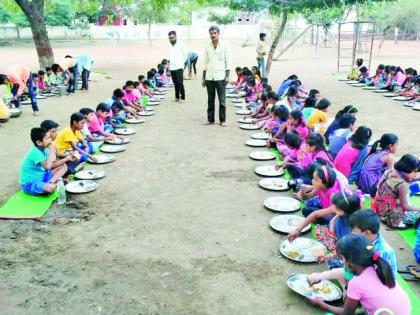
(137, 94)
(372, 294)
(303, 131)
(309, 158)
(399, 78)
(129, 97)
(346, 158)
(95, 125)
(325, 195)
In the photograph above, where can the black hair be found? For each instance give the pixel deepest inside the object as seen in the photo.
(292, 139)
(246, 72)
(55, 67)
(361, 137)
(263, 97)
(150, 74)
(3, 78)
(292, 77)
(47, 69)
(409, 71)
(393, 68)
(272, 95)
(365, 220)
(357, 251)
(86, 111)
(262, 35)
(117, 105)
(349, 202)
(136, 84)
(35, 75)
(103, 107)
(312, 92)
(297, 115)
(359, 62)
(381, 67)
(316, 140)
(363, 69)
(310, 102)
(164, 62)
(258, 72)
(214, 28)
(172, 33)
(347, 120)
(327, 175)
(238, 69)
(292, 91)
(407, 164)
(140, 77)
(38, 134)
(41, 72)
(386, 140)
(118, 93)
(129, 83)
(281, 112)
(349, 109)
(250, 81)
(146, 83)
(49, 124)
(68, 56)
(76, 117)
(399, 69)
(323, 104)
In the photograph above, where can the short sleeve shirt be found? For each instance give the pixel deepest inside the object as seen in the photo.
(95, 125)
(65, 138)
(31, 168)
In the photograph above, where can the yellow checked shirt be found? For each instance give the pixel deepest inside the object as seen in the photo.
(216, 61)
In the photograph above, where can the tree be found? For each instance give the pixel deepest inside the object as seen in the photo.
(226, 19)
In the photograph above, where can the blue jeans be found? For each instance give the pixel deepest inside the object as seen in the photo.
(31, 92)
(261, 66)
(73, 81)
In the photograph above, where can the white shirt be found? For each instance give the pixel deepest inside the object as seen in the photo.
(216, 61)
(178, 56)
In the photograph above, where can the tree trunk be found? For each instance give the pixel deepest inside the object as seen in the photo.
(149, 36)
(34, 12)
(18, 32)
(276, 42)
(281, 53)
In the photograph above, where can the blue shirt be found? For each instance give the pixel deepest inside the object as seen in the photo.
(190, 57)
(342, 226)
(283, 87)
(386, 252)
(31, 169)
(337, 140)
(84, 62)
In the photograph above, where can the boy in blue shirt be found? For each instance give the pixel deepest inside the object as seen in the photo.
(36, 174)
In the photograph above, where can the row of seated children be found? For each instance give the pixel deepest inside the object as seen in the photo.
(322, 178)
(55, 154)
(19, 78)
(388, 77)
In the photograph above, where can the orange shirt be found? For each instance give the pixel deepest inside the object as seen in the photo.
(18, 74)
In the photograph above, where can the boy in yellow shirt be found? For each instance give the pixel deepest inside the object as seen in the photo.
(4, 112)
(70, 139)
(318, 120)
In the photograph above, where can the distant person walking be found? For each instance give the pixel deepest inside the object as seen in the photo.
(216, 75)
(261, 53)
(191, 63)
(178, 56)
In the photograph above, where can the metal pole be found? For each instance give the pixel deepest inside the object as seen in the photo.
(371, 44)
(338, 47)
(317, 38)
(355, 37)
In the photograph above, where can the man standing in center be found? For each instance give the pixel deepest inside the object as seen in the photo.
(216, 75)
(178, 56)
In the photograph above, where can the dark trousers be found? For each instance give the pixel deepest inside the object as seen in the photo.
(191, 65)
(220, 88)
(85, 79)
(31, 92)
(73, 81)
(178, 80)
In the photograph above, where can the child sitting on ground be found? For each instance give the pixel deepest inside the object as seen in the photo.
(372, 282)
(364, 75)
(349, 109)
(70, 139)
(93, 142)
(377, 162)
(340, 136)
(355, 71)
(349, 159)
(343, 205)
(318, 120)
(277, 126)
(37, 176)
(130, 99)
(4, 112)
(391, 199)
(253, 94)
(95, 123)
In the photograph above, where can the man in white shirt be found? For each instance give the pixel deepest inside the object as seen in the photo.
(178, 57)
(216, 75)
(261, 53)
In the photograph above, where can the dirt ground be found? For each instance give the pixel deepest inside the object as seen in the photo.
(177, 226)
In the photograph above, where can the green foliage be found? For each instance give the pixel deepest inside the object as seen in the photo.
(226, 19)
(4, 16)
(324, 16)
(60, 13)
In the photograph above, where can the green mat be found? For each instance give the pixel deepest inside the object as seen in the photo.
(279, 161)
(24, 206)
